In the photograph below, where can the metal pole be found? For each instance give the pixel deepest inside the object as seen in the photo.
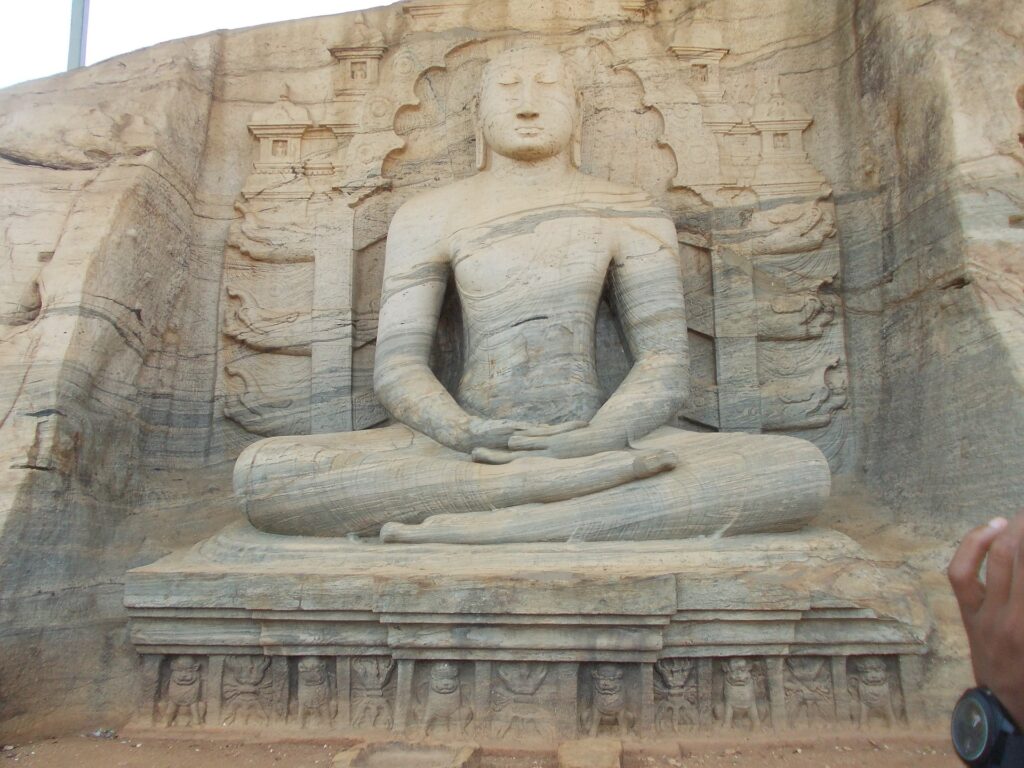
(79, 31)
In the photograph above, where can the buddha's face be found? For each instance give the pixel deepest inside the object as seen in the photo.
(527, 105)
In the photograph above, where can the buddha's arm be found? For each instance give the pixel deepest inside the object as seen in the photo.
(648, 290)
(416, 272)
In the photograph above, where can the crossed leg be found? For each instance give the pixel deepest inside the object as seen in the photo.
(723, 484)
(355, 482)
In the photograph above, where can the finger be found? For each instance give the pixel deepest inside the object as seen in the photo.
(1002, 554)
(520, 442)
(493, 456)
(554, 429)
(1017, 591)
(506, 426)
(966, 564)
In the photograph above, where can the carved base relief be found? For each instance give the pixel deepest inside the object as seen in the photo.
(515, 700)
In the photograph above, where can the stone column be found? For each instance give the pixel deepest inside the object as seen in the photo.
(777, 690)
(403, 695)
(214, 678)
(840, 690)
(739, 391)
(343, 681)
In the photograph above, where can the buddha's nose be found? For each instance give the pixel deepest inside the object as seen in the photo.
(527, 108)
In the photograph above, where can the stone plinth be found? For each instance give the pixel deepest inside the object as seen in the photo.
(252, 630)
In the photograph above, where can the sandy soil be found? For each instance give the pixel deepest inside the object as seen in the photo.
(929, 750)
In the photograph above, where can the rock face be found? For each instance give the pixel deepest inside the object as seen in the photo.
(193, 241)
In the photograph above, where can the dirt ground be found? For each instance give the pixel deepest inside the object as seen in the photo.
(926, 750)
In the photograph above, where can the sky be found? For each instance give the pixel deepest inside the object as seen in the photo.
(34, 33)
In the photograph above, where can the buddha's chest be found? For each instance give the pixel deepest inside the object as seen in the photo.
(556, 259)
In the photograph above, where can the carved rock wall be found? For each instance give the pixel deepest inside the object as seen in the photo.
(190, 260)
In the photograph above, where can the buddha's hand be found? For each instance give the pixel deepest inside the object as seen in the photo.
(489, 433)
(557, 441)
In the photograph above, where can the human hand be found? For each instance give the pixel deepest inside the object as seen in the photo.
(993, 609)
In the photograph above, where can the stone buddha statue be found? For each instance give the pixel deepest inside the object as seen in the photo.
(527, 448)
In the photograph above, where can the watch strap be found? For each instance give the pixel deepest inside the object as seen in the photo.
(1013, 751)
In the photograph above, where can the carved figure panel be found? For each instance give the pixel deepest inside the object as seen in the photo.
(608, 699)
(372, 692)
(315, 694)
(183, 702)
(247, 691)
(522, 700)
(675, 694)
(743, 700)
(809, 692)
(444, 696)
(874, 690)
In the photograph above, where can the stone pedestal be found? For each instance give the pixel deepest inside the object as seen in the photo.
(528, 641)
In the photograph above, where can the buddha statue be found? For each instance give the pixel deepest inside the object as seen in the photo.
(527, 448)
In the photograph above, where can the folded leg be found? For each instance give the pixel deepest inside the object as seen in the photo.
(723, 484)
(334, 485)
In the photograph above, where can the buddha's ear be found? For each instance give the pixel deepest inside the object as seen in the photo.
(577, 132)
(482, 150)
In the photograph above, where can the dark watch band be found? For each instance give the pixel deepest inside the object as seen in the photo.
(1013, 751)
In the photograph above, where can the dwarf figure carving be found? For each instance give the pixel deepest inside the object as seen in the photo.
(808, 690)
(246, 685)
(676, 692)
(444, 706)
(516, 706)
(372, 709)
(871, 691)
(740, 693)
(608, 702)
(314, 692)
(184, 692)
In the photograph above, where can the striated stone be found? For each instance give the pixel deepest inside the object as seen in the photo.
(192, 257)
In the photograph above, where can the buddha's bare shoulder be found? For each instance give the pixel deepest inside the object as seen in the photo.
(603, 192)
(435, 198)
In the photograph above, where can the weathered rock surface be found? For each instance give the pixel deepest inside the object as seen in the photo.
(190, 261)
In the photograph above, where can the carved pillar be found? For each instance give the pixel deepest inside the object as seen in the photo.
(645, 717)
(568, 717)
(279, 675)
(705, 692)
(912, 683)
(403, 695)
(343, 678)
(214, 678)
(840, 690)
(331, 385)
(149, 688)
(481, 696)
(739, 391)
(777, 690)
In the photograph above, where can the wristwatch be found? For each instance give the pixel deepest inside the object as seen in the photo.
(984, 735)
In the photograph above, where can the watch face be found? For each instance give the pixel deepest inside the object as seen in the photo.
(970, 728)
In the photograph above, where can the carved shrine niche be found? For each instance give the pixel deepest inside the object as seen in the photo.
(755, 218)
